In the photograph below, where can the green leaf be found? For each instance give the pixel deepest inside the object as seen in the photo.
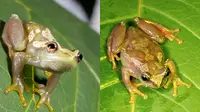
(78, 90)
(183, 14)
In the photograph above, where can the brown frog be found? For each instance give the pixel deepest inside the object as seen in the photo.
(141, 56)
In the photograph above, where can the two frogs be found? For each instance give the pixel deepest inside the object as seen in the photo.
(140, 54)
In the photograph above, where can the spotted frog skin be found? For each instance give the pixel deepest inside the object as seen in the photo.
(33, 44)
(141, 56)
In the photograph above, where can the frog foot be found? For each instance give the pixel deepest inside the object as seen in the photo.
(168, 33)
(117, 57)
(132, 93)
(132, 97)
(177, 82)
(19, 87)
(44, 99)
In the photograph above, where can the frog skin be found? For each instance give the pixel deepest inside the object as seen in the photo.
(141, 56)
(33, 44)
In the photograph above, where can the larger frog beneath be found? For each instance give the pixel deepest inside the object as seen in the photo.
(141, 56)
(33, 44)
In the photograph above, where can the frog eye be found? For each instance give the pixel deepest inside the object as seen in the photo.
(145, 76)
(52, 47)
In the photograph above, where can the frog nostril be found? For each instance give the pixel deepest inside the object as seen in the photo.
(80, 57)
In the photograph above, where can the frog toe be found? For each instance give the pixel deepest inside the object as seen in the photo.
(132, 97)
(19, 88)
(177, 30)
(131, 102)
(177, 82)
(165, 86)
(44, 99)
(145, 96)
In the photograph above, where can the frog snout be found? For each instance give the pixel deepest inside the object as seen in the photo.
(79, 57)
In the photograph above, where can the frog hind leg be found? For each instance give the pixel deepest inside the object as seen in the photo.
(131, 86)
(6, 40)
(173, 77)
(13, 37)
(115, 41)
(14, 34)
(18, 84)
(45, 92)
(157, 31)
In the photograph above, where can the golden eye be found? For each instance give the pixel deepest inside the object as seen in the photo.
(52, 47)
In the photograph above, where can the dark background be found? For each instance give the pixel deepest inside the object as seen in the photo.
(88, 6)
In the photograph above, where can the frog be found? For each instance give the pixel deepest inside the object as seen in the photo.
(30, 43)
(138, 49)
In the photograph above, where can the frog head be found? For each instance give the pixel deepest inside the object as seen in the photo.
(58, 59)
(155, 80)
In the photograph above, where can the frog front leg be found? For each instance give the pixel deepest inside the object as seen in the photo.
(46, 90)
(115, 41)
(176, 81)
(130, 85)
(157, 31)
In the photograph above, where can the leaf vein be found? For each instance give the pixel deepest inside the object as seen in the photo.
(116, 19)
(25, 7)
(110, 83)
(139, 7)
(189, 5)
(76, 91)
(191, 81)
(163, 95)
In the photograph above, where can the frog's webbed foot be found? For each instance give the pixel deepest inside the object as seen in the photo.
(19, 87)
(170, 33)
(45, 91)
(131, 86)
(44, 98)
(173, 77)
(177, 82)
(135, 90)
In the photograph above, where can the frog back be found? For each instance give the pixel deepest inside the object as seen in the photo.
(142, 48)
